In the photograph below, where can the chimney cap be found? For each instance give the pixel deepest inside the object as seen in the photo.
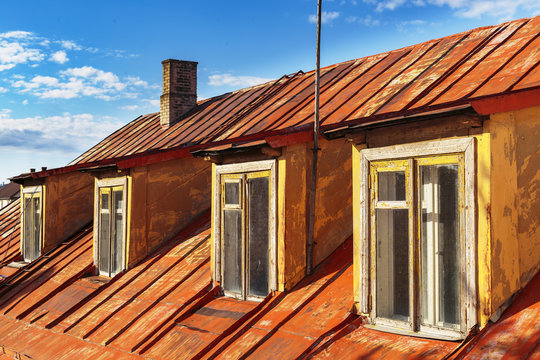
(32, 170)
(179, 61)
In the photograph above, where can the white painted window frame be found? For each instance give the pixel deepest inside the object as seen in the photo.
(109, 182)
(465, 146)
(37, 189)
(253, 166)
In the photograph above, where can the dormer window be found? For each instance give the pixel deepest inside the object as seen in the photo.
(244, 228)
(110, 230)
(418, 239)
(32, 222)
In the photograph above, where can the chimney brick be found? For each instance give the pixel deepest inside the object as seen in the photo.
(179, 90)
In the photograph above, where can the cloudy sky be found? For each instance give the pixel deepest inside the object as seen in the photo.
(72, 72)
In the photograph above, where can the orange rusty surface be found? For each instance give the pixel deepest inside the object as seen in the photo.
(165, 307)
(517, 333)
(10, 233)
(438, 74)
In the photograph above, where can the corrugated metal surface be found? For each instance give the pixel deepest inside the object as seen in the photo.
(9, 236)
(165, 308)
(517, 333)
(433, 75)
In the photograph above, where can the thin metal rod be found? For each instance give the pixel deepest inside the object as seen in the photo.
(313, 190)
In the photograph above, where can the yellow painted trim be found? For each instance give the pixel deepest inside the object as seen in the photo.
(21, 221)
(43, 215)
(258, 174)
(357, 227)
(281, 222)
(231, 178)
(128, 193)
(440, 160)
(389, 165)
(483, 196)
(212, 223)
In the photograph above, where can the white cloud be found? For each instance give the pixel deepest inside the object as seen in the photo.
(24, 47)
(59, 57)
(232, 80)
(135, 80)
(326, 17)
(73, 132)
(15, 52)
(25, 102)
(16, 35)
(129, 107)
(153, 102)
(413, 22)
(6, 67)
(367, 20)
(3, 90)
(504, 9)
(70, 45)
(78, 82)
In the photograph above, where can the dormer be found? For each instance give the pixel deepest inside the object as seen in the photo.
(260, 211)
(53, 207)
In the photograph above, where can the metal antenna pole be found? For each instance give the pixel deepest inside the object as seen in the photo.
(313, 190)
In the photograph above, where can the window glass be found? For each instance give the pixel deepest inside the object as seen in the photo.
(36, 236)
(116, 257)
(392, 263)
(28, 216)
(258, 205)
(440, 244)
(104, 233)
(232, 193)
(232, 250)
(31, 242)
(391, 186)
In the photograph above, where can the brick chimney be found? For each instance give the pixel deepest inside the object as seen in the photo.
(179, 90)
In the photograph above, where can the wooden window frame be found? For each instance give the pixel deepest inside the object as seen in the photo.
(468, 298)
(32, 191)
(248, 167)
(103, 183)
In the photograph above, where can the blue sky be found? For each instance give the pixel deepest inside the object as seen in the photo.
(72, 72)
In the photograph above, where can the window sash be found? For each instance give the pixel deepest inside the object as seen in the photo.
(242, 287)
(32, 224)
(434, 268)
(411, 167)
(363, 157)
(110, 232)
(388, 301)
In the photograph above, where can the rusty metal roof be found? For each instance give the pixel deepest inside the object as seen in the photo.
(166, 308)
(516, 335)
(438, 74)
(9, 236)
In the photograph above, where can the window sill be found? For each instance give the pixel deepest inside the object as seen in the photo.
(425, 334)
(18, 264)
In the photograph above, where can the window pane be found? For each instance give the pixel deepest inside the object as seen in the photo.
(232, 193)
(27, 245)
(116, 239)
(232, 250)
(258, 235)
(104, 232)
(392, 263)
(36, 228)
(105, 201)
(440, 245)
(391, 186)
